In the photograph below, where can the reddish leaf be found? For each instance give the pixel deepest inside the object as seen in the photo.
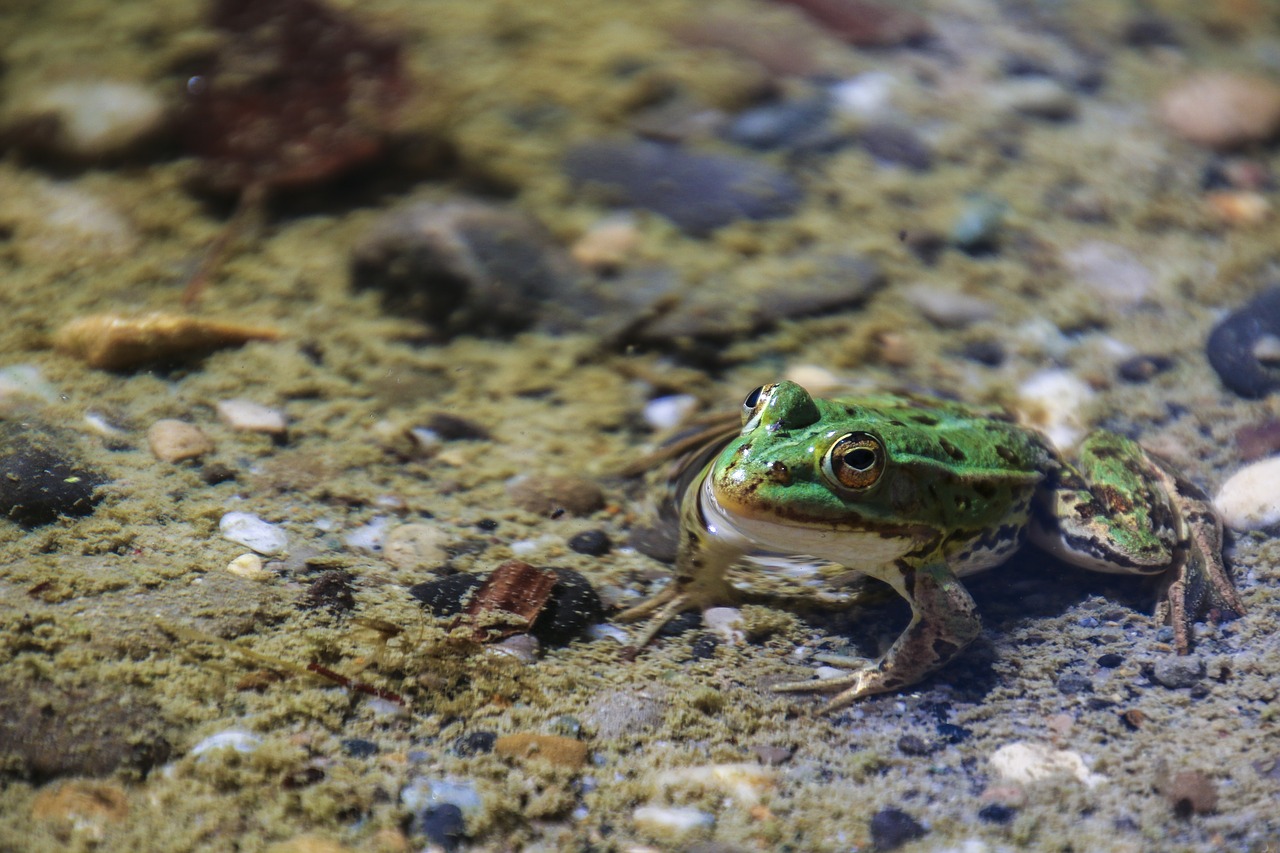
(297, 94)
(515, 588)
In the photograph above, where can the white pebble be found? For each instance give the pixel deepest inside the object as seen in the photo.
(671, 821)
(415, 546)
(247, 529)
(1054, 401)
(61, 222)
(726, 623)
(25, 380)
(249, 567)
(602, 631)
(237, 739)
(745, 782)
(948, 308)
(663, 413)
(98, 118)
(1022, 762)
(826, 672)
(368, 537)
(1250, 499)
(1039, 97)
(1111, 273)
(251, 417)
(864, 96)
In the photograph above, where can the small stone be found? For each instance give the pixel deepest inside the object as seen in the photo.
(85, 805)
(1110, 660)
(415, 547)
(1023, 762)
(1191, 792)
(667, 413)
(985, 351)
(359, 747)
(1233, 346)
(1141, 368)
(671, 822)
(449, 595)
(570, 609)
(454, 428)
(785, 125)
(235, 739)
(897, 145)
(1071, 683)
(1223, 110)
(953, 734)
(1111, 273)
(368, 537)
(474, 743)
(948, 308)
(1250, 498)
(1259, 440)
(1239, 208)
(997, 813)
(772, 756)
(174, 441)
(523, 647)
(892, 828)
(40, 480)
(249, 567)
(88, 120)
(608, 244)
(443, 826)
(249, 530)
(332, 590)
(915, 745)
(744, 782)
(560, 751)
(248, 416)
(1035, 96)
(624, 714)
(545, 495)
(593, 543)
(1055, 402)
(1178, 671)
(116, 342)
(977, 224)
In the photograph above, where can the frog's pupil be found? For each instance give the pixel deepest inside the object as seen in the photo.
(753, 398)
(860, 458)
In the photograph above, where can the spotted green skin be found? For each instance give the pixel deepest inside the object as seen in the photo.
(956, 490)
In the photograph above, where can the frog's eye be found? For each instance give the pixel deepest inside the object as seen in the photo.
(855, 461)
(754, 402)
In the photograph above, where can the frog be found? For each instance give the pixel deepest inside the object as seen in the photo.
(806, 498)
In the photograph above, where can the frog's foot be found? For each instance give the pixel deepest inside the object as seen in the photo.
(944, 620)
(1198, 584)
(659, 610)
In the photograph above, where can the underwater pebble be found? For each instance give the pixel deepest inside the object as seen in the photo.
(236, 739)
(1250, 498)
(947, 308)
(997, 813)
(572, 606)
(369, 537)
(592, 543)
(892, 828)
(698, 192)
(672, 822)
(1222, 109)
(745, 783)
(117, 342)
(88, 120)
(62, 223)
(249, 530)
(624, 714)
(26, 380)
(1190, 792)
(864, 96)
(84, 804)
(474, 743)
(1110, 272)
(545, 495)
(467, 267)
(1022, 762)
(173, 441)
(895, 144)
(249, 567)
(554, 749)
(783, 125)
(608, 244)
(447, 596)
(40, 480)
(443, 826)
(415, 547)
(977, 225)
(1238, 346)
(666, 413)
(523, 647)
(247, 416)
(1071, 683)
(1239, 208)
(1177, 671)
(1035, 96)
(1054, 401)
(424, 793)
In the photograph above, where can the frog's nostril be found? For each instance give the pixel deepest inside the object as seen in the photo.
(779, 473)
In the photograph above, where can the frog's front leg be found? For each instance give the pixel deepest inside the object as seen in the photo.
(1124, 511)
(944, 621)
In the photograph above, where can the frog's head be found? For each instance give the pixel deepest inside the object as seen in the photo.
(800, 461)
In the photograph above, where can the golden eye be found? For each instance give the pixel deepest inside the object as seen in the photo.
(855, 461)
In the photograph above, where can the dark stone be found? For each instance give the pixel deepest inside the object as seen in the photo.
(453, 428)
(915, 745)
(952, 733)
(443, 826)
(892, 828)
(1150, 30)
(475, 743)
(1071, 683)
(332, 590)
(359, 748)
(787, 125)
(680, 624)
(593, 543)
(704, 647)
(1231, 346)
(40, 480)
(1141, 368)
(657, 540)
(1177, 671)
(893, 143)
(571, 608)
(698, 192)
(446, 596)
(214, 473)
(488, 525)
(1110, 660)
(468, 267)
(996, 813)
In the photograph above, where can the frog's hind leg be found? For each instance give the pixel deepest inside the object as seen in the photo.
(944, 620)
(1198, 583)
(659, 610)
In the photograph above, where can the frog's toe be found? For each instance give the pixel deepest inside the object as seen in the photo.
(863, 682)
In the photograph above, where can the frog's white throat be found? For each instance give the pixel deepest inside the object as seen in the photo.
(864, 549)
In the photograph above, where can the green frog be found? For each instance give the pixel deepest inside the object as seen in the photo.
(811, 496)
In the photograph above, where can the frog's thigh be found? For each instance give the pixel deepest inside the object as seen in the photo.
(943, 621)
(1110, 513)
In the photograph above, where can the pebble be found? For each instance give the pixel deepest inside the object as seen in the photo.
(1036, 96)
(865, 96)
(698, 192)
(896, 145)
(1222, 110)
(1190, 792)
(60, 222)
(545, 495)
(359, 747)
(1055, 401)
(247, 416)
(725, 623)
(671, 822)
(947, 308)
(26, 380)
(744, 782)
(785, 125)
(236, 739)
(554, 749)
(89, 120)
(523, 647)
(1110, 660)
(40, 479)
(1071, 683)
(474, 743)
(424, 793)
(415, 547)
(1239, 350)
(1023, 762)
(447, 596)
(86, 805)
(593, 543)
(448, 427)
(1239, 208)
(608, 244)
(997, 813)
(891, 828)
(174, 441)
(977, 225)
(570, 609)
(667, 413)
(625, 714)
(369, 537)
(1250, 498)
(1176, 671)
(443, 826)
(118, 342)
(249, 567)
(1144, 367)
(249, 530)
(465, 266)
(1112, 274)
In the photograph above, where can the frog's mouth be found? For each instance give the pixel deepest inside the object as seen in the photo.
(847, 542)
